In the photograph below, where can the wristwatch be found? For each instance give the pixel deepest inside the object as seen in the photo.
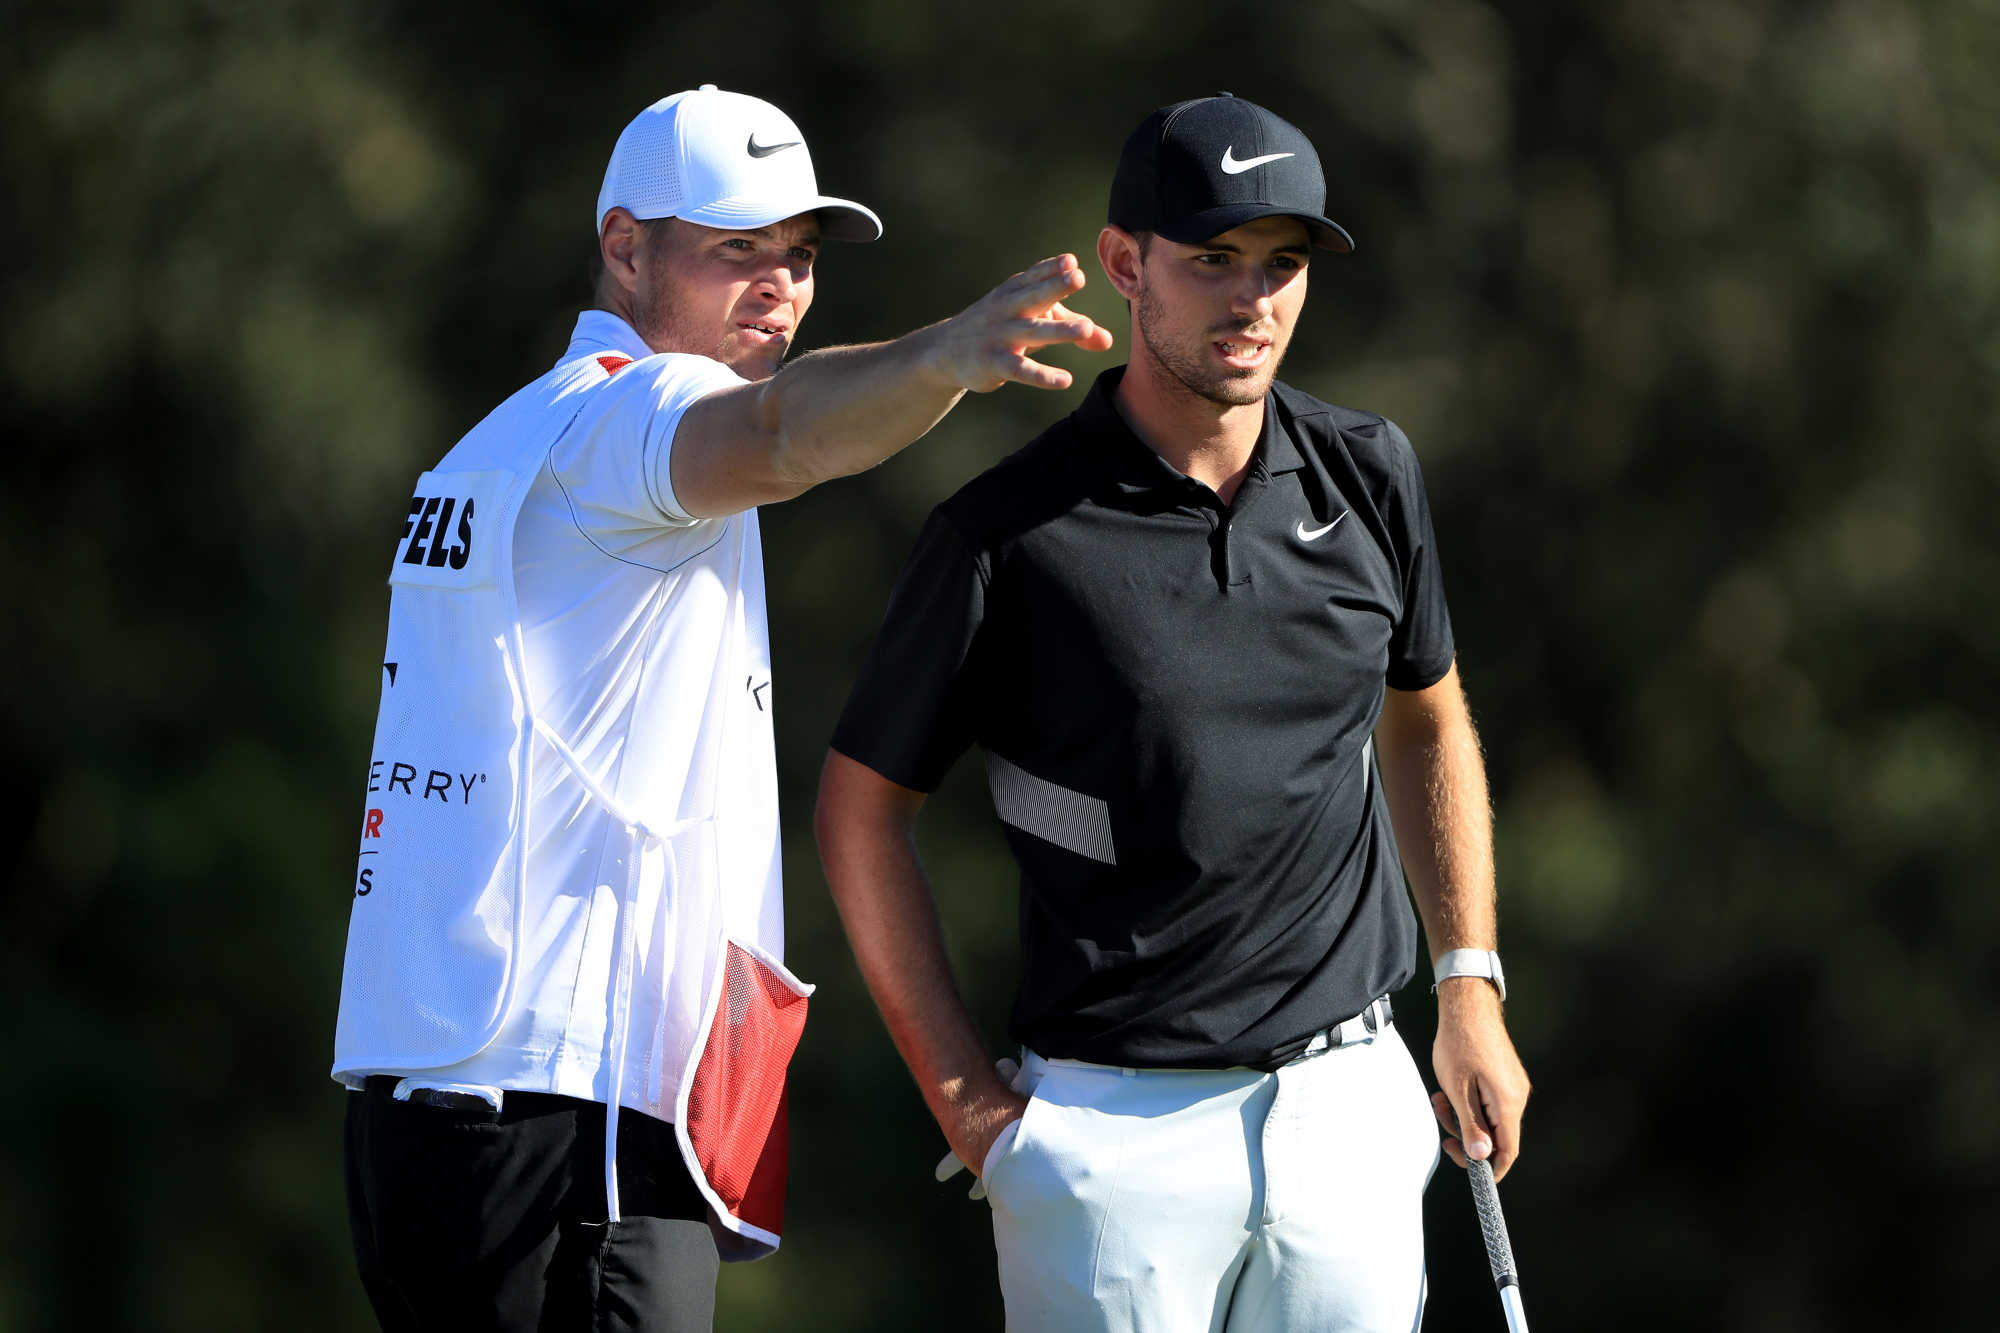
(1472, 963)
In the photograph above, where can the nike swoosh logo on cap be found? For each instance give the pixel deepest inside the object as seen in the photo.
(765, 150)
(1235, 168)
(1316, 533)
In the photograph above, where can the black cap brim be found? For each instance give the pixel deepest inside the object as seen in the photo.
(1325, 232)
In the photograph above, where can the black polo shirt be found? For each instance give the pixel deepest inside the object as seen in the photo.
(1175, 697)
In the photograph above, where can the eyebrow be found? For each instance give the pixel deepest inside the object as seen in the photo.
(1296, 248)
(809, 238)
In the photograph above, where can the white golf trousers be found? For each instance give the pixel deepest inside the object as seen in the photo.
(1224, 1201)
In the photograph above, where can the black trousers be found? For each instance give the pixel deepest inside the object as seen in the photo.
(476, 1220)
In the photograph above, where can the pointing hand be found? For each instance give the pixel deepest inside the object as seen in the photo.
(987, 344)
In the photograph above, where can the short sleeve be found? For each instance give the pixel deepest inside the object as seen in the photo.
(614, 463)
(908, 717)
(1420, 645)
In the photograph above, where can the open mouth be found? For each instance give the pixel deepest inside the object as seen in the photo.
(1244, 353)
(777, 332)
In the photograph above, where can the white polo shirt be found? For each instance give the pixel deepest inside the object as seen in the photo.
(643, 649)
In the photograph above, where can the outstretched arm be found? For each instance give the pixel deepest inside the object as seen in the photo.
(1436, 784)
(840, 411)
(866, 829)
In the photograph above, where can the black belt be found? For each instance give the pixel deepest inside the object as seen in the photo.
(518, 1104)
(1347, 1032)
(385, 1084)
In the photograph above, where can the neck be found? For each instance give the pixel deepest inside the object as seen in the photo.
(1209, 441)
(618, 302)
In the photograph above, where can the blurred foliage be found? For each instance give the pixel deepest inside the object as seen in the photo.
(1693, 311)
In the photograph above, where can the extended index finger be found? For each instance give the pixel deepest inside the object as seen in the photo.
(1041, 285)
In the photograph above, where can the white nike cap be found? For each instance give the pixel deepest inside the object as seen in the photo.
(722, 160)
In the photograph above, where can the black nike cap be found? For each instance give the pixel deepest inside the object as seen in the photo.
(1195, 169)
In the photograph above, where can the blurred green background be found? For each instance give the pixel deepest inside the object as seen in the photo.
(1692, 310)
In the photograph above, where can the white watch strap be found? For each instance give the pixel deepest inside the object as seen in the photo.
(1482, 963)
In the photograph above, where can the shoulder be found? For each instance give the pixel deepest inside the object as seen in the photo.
(663, 379)
(1367, 441)
(618, 405)
(1317, 422)
(1045, 478)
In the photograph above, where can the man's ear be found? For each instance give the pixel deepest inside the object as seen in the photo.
(1118, 252)
(618, 244)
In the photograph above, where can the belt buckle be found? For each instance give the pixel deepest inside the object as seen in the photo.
(1305, 1048)
(1364, 1026)
(1372, 1019)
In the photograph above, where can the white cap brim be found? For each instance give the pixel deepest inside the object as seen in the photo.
(839, 219)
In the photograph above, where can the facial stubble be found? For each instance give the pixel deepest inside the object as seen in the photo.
(664, 321)
(1190, 370)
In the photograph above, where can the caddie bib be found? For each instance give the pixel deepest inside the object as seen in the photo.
(434, 940)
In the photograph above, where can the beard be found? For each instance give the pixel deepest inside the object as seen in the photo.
(668, 326)
(665, 323)
(1198, 375)
(668, 320)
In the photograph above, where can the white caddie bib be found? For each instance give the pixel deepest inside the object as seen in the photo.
(435, 938)
(438, 872)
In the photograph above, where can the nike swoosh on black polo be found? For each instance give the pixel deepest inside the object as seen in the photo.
(1317, 533)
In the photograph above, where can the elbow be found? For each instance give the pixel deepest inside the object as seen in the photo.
(826, 822)
(1398, 732)
(826, 816)
(860, 821)
(795, 466)
(797, 463)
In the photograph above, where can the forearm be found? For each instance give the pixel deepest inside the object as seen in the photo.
(840, 411)
(885, 904)
(1435, 779)
(837, 412)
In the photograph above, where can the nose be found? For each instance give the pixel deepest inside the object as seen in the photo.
(785, 275)
(778, 280)
(1253, 295)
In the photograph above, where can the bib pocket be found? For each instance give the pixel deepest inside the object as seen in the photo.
(736, 1102)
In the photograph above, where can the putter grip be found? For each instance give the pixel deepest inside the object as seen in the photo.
(1486, 1198)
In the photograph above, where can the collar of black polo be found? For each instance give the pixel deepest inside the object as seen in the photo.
(1133, 465)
